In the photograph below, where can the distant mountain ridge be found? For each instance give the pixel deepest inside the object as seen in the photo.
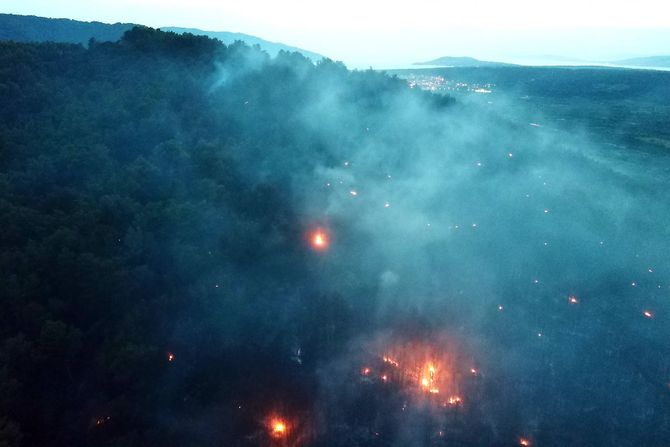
(272, 48)
(651, 61)
(41, 29)
(451, 61)
(659, 62)
(21, 28)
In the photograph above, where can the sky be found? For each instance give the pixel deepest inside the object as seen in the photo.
(382, 33)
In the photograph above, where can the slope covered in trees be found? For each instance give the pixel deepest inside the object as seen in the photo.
(202, 245)
(41, 29)
(21, 28)
(147, 207)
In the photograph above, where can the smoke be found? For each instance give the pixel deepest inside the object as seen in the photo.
(477, 221)
(461, 231)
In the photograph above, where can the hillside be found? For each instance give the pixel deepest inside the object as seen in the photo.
(152, 238)
(203, 245)
(449, 61)
(652, 61)
(40, 29)
(20, 28)
(228, 38)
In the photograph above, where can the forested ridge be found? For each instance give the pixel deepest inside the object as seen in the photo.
(21, 28)
(204, 245)
(150, 239)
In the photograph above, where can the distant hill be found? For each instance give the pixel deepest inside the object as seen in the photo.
(450, 61)
(272, 48)
(652, 61)
(40, 29)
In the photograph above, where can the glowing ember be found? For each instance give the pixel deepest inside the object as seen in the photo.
(101, 420)
(278, 428)
(573, 299)
(319, 240)
(428, 382)
(365, 371)
(390, 361)
(421, 370)
(170, 357)
(353, 193)
(454, 400)
(525, 442)
(473, 371)
(648, 314)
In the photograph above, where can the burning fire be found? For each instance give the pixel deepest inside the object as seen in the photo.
(170, 357)
(102, 420)
(390, 361)
(422, 371)
(428, 379)
(420, 366)
(278, 427)
(573, 299)
(454, 400)
(319, 240)
(525, 442)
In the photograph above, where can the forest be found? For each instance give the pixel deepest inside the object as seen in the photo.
(203, 245)
(140, 217)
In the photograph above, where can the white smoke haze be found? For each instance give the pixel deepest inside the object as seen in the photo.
(481, 221)
(479, 233)
(206, 245)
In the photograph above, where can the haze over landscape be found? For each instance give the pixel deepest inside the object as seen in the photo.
(220, 228)
(396, 34)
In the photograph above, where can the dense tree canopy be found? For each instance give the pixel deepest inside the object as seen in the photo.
(140, 216)
(197, 238)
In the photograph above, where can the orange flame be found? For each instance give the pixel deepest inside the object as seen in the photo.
(390, 361)
(454, 400)
(319, 240)
(278, 428)
(426, 369)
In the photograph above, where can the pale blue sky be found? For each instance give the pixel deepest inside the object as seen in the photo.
(385, 33)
